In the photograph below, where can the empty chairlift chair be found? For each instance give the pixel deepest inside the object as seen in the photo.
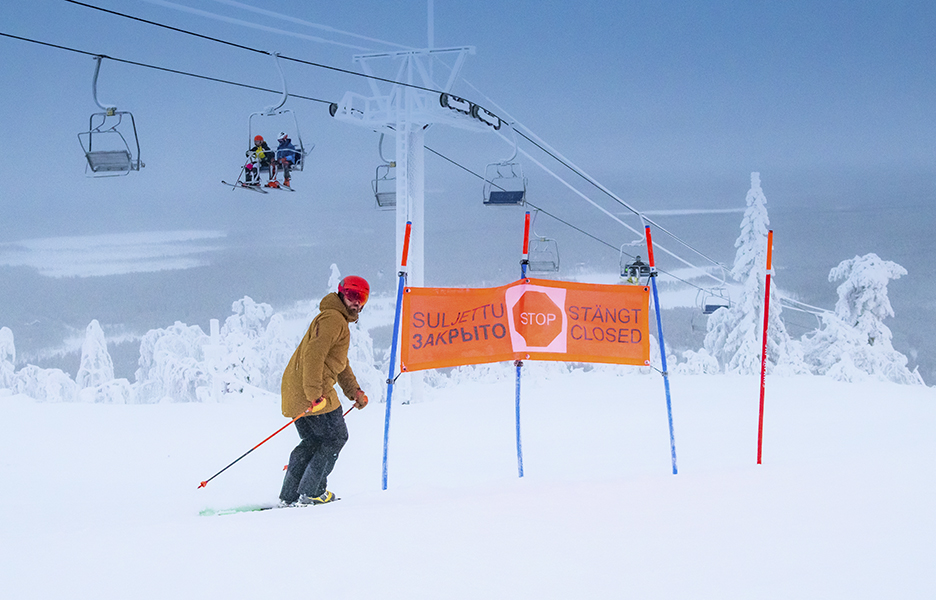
(543, 256)
(504, 184)
(711, 300)
(107, 142)
(384, 183)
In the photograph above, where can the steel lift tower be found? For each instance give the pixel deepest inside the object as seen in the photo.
(405, 109)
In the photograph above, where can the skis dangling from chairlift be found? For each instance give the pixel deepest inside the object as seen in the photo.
(242, 185)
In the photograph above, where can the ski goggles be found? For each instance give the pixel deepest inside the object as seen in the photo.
(356, 296)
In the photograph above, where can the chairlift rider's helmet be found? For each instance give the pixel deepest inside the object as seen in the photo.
(355, 289)
(282, 136)
(258, 139)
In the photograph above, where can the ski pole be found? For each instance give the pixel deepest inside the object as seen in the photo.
(205, 482)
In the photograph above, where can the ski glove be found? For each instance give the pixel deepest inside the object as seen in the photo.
(318, 404)
(360, 399)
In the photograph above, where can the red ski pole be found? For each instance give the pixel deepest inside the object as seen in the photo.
(308, 410)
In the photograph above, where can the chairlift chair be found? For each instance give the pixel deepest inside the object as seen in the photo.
(287, 124)
(106, 147)
(633, 272)
(543, 256)
(710, 300)
(384, 183)
(504, 183)
(276, 119)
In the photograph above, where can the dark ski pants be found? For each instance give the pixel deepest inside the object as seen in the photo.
(252, 171)
(323, 437)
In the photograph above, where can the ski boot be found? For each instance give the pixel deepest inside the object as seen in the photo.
(323, 499)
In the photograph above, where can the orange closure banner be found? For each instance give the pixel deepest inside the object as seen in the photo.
(529, 319)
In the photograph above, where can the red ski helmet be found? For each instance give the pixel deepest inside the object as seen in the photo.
(258, 138)
(355, 289)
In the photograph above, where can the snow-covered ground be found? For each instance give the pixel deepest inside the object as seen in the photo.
(102, 501)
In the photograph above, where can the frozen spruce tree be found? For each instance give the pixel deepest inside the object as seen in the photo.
(243, 336)
(172, 364)
(734, 334)
(95, 377)
(96, 368)
(334, 279)
(854, 344)
(7, 358)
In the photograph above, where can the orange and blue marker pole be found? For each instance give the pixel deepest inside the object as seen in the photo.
(659, 319)
(524, 261)
(393, 347)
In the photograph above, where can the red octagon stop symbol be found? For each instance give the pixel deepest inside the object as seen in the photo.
(537, 319)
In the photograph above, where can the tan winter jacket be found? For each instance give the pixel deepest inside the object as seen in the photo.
(320, 361)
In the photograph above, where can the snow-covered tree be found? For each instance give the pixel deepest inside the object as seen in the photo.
(244, 340)
(45, 385)
(371, 376)
(333, 279)
(172, 364)
(7, 358)
(96, 368)
(854, 344)
(734, 334)
(95, 379)
(697, 363)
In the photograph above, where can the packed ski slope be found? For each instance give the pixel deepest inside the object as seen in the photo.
(102, 501)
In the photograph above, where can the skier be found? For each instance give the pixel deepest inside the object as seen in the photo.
(286, 157)
(318, 363)
(258, 157)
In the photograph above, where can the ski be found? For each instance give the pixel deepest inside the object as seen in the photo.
(212, 512)
(244, 186)
(280, 187)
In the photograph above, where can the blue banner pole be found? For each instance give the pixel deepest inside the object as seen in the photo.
(519, 445)
(659, 320)
(393, 349)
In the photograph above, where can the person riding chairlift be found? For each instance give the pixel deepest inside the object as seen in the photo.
(633, 271)
(286, 157)
(258, 157)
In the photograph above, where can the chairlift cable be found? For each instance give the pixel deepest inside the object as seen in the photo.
(228, 82)
(582, 231)
(539, 144)
(275, 15)
(256, 50)
(543, 146)
(158, 68)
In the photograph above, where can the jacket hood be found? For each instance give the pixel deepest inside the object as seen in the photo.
(333, 302)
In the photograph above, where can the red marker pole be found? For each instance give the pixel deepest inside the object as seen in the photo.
(763, 369)
(526, 246)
